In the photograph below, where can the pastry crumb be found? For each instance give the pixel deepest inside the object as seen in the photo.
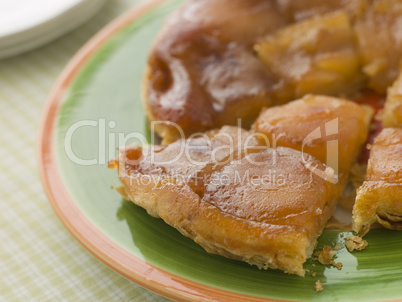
(325, 257)
(318, 286)
(338, 265)
(313, 274)
(355, 243)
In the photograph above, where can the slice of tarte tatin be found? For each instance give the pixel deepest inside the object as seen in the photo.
(379, 199)
(328, 128)
(260, 205)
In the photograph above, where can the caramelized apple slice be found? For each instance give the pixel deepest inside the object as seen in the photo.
(317, 55)
(380, 42)
(379, 199)
(331, 129)
(392, 113)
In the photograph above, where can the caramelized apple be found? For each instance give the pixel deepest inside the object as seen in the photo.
(331, 129)
(201, 71)
(304, 9)
(379, 37)
(317, 55)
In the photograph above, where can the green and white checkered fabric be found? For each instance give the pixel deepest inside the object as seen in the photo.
(39, 259)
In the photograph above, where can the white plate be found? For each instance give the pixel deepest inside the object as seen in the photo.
(26, 24)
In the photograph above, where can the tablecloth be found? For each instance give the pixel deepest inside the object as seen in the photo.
(39, 259)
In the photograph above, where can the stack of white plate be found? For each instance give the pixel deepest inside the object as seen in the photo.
(26, 24)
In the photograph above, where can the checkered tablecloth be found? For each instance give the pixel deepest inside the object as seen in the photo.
(39, 259)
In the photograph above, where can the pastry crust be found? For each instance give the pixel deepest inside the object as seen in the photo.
(379, 199)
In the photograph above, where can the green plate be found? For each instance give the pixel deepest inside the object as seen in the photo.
(100, 108)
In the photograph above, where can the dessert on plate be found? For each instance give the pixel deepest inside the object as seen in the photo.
(236, 196)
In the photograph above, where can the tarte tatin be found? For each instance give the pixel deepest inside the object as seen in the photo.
(253, 101)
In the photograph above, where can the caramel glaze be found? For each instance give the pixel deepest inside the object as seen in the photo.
(191, 161)
(273, 187)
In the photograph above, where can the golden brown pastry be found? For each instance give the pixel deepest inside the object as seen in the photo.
(379, 199)
(392, 113)
(317, 55)
(380, 42)
(264, 207)
(331, 129)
